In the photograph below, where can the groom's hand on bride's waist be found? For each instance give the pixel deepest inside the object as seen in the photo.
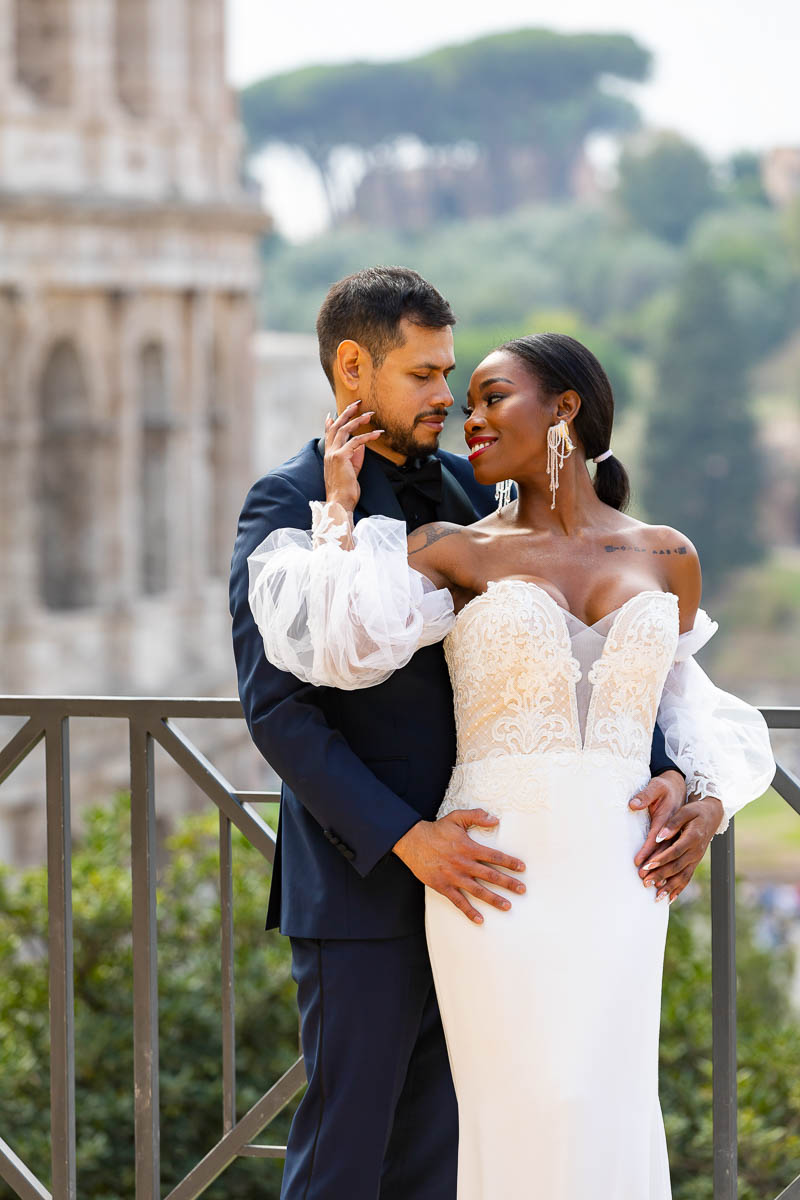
(444, 857)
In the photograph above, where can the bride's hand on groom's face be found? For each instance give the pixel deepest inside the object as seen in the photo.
(344, 454)
(444, 857)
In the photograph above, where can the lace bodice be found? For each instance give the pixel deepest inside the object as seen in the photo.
(520, 680)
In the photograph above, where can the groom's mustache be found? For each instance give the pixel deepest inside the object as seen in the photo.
(438, 414)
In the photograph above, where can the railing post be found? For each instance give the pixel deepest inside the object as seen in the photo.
(145, 963)
(723, 1001)
(228, 994)
(62, 998)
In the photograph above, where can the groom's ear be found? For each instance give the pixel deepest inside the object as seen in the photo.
(350, 367)
(568, 407)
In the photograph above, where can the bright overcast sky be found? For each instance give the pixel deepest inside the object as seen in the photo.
(726, 71)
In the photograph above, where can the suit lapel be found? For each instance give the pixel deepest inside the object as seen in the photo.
(456, 505)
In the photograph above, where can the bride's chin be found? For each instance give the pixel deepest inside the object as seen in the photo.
(487, 478)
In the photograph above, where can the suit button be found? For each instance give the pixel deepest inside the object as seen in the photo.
(332, 837)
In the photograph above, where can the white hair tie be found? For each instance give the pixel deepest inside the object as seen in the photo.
(602, 457)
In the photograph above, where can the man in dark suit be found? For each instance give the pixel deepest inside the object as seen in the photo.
(364, 773)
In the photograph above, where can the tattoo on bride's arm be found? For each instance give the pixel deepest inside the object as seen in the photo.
(431, 534)
(647, 550)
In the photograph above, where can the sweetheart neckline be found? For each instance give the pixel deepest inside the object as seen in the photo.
(565, 612)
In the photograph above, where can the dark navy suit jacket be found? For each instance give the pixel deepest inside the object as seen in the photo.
(359, 768)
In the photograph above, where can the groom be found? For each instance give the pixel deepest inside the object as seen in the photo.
(364, 773)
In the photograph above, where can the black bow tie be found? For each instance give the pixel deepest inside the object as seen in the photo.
(425, 478)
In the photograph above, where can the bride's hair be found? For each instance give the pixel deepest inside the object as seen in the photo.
(562, 364)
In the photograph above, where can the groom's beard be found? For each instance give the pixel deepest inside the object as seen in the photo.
(404, 440)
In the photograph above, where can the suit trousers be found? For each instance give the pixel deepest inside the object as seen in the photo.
(378, 1120)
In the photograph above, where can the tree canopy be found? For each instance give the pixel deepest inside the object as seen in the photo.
(530, 86)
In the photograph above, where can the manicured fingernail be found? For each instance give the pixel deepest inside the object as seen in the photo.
(478, 919)
(649, 883)
(519, 887)
(648, 866)
(663, 835)
(662, 896)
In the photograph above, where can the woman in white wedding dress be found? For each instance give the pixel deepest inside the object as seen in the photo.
(568, 628)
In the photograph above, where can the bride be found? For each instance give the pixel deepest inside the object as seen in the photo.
(569, 627)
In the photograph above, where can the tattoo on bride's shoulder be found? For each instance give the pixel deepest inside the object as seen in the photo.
(646, 549)
(430, 534)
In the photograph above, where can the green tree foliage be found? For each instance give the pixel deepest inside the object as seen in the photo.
(493, 271)
(188, 939)
(665, 185)
(702, 469)
(748, 246)
(745, 186)
(528, 87)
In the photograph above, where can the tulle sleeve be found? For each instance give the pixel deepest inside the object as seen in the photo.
(344, 618)
(719, 742)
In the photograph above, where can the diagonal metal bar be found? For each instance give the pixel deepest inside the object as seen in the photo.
(792, 1192)
(228, 993)
(62, 999)
(18, 1177)
(145, 963)
(723, 1003)
(787, 785)
(20, 746)
(230, 1146)
(216, 787)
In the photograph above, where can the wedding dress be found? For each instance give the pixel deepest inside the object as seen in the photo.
(550, 1010)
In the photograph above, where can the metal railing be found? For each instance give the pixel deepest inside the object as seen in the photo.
(152, 721)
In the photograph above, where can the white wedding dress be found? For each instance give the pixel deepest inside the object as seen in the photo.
(550, 1010)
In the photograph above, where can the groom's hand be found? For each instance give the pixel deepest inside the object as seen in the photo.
(443, 856)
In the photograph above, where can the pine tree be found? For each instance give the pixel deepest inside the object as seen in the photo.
(703, 466)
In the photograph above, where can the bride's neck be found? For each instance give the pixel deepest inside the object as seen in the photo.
(576, 499)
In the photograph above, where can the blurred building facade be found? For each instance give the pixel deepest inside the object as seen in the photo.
(780, 175)
(128, 266)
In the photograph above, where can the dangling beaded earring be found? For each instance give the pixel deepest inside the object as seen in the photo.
(559, 448)
(502, 493)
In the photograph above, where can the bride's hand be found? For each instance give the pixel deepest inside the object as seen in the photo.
(344, 455)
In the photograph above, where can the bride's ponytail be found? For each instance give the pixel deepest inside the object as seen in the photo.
(611, 483)
(561, 364)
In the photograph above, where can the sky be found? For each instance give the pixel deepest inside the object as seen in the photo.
(725, 73)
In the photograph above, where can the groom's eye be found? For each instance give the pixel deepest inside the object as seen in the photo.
(416, 376)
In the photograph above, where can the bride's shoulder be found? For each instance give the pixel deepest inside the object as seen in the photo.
(677, 562)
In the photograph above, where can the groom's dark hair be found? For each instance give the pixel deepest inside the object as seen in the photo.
(368, 308)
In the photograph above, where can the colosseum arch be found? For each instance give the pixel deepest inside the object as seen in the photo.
(154, 467)
(42, 36)
(132, 55)
(67, 508)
